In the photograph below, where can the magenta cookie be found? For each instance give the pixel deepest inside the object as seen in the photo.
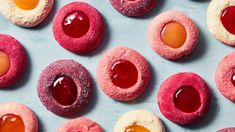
(225, 76)
(13, 60)
(78, 27)
(133, 7)
(173, 34)
(15, 117)
(80, 125)
(65, 87)
(231, 129)
(184, 98)
(123, 74)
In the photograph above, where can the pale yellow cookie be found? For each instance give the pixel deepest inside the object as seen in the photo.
(139, 121)
(26, 13)
(215, 25)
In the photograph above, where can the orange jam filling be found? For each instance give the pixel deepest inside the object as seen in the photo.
(174, 35)
(136, 128)
(11, 123)
(26, 4)
(4, 64)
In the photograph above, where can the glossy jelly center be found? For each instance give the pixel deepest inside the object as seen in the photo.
(76, 24)
(228, 19)
(187, 99)
(4, 64)
(174, 35)
(233, 79)
(64, 90)
(11, 123)
(136, 128)
(123, 74)
(26, 4)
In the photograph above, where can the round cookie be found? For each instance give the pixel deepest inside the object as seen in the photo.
(78, 27)
(65, 87)
(172, 34)
(220, 20)
(123, 74)
(81, 125)
(139, 120)
(13, 61)
(184, 98)
(225, 76)
(231, 129)
(26, 13)
(133, 8)
(17, 117)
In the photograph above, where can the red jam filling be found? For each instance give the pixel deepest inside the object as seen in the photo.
(64, 90)
(11, 123)
(233, 80)
(76, 24)
(123, 74)
(187, 99)
(228, 19)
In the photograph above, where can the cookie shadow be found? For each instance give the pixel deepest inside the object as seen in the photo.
(24, 79)
(41, 127)
(199, 50)
(209, 117)
(149, 89)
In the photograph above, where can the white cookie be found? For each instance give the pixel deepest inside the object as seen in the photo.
(25, 18)
(141, 118)
(214, 23)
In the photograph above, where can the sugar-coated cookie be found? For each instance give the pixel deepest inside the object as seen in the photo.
(173, 34)
(123, 74)
(139, 121)
(231, 129)
(133, 8)
(13, 61)
(16, 117)
(78, 27)
(184, 98)
(26, 13)
(220, 20)
(225, 76)
(80, 125)
(65, 87)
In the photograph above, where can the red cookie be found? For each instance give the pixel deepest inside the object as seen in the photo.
(225, 76)
(173, 34)
(133, 7)
(231, 129)
(80, 125)
(65, 87)
(13, 60)
(78, 27)
(15, 117)
(123, 74)
(184, 98)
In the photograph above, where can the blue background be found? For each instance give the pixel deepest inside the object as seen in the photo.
(42, 49)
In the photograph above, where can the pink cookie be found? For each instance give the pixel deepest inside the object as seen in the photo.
(231, 129)
(13, 56)
(80, 125)
(161, 35)
(184, 98)
(225, 76)
(65, 87)
(133, 7)
(78, 27)
(123, 74)
(10, 113)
